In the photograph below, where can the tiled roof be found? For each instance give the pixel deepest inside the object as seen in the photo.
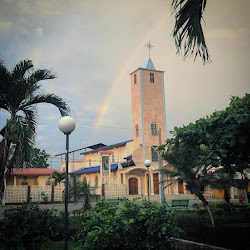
(34, 171)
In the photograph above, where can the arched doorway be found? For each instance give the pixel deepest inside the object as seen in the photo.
(133, 186)
(180, 187)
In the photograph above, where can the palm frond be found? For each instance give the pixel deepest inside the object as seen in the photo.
(188, 33)
(22, 68)
(25, 134)
(49, 98)
(42, 74)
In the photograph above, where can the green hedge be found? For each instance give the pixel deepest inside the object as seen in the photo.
(132, 225)
(28, 227)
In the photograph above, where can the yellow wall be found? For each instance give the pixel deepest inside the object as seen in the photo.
(32, 180)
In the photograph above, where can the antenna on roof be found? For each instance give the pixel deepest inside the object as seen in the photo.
(150, 46)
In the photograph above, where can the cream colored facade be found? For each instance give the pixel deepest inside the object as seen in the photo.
(128, 172)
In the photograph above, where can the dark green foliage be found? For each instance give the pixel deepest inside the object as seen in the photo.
(132, 225)
(222, 139)
(188, 33)
(225, 208)
(81, 189)
(37, 158)
(27, 226)
(58, 177)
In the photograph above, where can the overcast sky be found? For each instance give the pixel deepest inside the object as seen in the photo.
(93, 46)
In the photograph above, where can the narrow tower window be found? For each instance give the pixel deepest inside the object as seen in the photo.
(113, 158)
(90, 162)
(137, 130)
(153, 129)
(96, 181)
(152, 77)
(121, 178)
(154, 153)
(135, 79)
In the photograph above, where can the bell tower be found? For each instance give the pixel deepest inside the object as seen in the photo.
(148, 107)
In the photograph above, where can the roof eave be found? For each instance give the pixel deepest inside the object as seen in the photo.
(148, 70)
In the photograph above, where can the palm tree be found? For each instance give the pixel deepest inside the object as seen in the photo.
(58, 178)
(20, 92)
(188, 33)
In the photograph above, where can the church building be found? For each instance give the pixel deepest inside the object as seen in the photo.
(118, 170)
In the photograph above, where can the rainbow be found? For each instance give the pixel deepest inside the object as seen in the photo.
(122, 72)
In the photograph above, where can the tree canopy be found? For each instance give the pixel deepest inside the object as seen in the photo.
(198, 149)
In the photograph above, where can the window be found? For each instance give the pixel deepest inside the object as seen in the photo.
(137, 130)
(96, 181)
(25, 178)
(113, 158)
(154, 154)
(152, 77)
(135, 81)
(153, 129)
(121, 178)
(90, 162)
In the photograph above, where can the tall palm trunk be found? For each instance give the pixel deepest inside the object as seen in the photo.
(4, 149)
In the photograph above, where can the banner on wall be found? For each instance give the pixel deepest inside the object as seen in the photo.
(105, 164)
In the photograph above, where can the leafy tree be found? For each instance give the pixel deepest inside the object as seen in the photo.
(199, 149)
(20, 92)
(184, 153)
(228, 139)
(188, 33)
(38, 158)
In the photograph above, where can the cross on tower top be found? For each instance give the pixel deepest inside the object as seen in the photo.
(149, 45)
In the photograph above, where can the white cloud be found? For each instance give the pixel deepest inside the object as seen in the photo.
(39, 31)
(5, 26)
(41, 127)
(41, 138)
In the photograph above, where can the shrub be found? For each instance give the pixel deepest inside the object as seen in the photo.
(223, 207)
(27, 226)
(141, 225)
(44, 197)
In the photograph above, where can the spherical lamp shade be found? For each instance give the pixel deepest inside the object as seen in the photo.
(67, 125)
(147, 163)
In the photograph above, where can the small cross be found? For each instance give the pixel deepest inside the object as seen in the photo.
(149, 45)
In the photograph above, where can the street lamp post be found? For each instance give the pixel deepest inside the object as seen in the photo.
(66, 125)
(147, 164)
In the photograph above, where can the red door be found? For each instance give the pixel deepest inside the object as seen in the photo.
(156, 183)
(133, 186)
(180, 187)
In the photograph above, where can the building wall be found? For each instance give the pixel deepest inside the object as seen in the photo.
(31, 180)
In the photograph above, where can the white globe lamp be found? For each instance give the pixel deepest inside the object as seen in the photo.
(147, 163)
(67, 125)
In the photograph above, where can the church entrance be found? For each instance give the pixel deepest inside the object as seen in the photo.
(180, 187)
(156, 183)
(133, 186)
